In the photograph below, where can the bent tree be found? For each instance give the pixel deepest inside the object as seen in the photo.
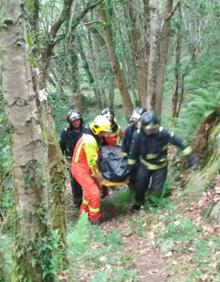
(33, 255)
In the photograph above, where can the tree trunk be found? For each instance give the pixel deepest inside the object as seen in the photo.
(139, 50)
(95, 49)
(150, 98)
(107, 33)
(164, 43)
(175, 98)
(28, 154)
(56, 170)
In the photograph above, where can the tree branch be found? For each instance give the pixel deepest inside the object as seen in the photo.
(51, 42)
(53, 32)
(172, 13)
(85, 11)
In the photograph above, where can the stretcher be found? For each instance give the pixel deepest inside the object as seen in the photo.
(112, 185)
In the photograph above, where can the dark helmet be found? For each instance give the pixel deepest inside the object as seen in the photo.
(73, 115)
(149, 122)
(137, 113)
(108, 112)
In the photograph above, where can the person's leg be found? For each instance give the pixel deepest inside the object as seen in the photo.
(140, 186)
(91, 193)
(158, 177)
(76, 192)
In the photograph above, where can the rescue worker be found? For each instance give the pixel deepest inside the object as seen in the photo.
(135, 120)
(149, 153)
(132, 127)
(113, 139)
(68, 140)
(84, 166)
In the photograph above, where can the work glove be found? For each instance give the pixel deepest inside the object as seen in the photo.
(193, 160)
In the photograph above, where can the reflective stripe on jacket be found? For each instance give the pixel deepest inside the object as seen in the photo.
(86, 152)
(152, 150)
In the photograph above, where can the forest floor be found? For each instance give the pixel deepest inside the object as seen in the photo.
(173, 242)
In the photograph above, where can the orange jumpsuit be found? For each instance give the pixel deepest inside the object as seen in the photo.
(114, 138)
(84, 168)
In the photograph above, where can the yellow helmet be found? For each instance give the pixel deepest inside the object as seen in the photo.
(100, 124)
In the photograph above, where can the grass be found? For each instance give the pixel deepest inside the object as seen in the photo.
(102, 254)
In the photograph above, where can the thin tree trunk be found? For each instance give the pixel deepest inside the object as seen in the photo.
(146, 40)
(140, 51)
(115, 65)
(150, 98)
(55, 164)
(164, 43)
(95, 48)
(28, 154)
(175, 98)
(84, 60)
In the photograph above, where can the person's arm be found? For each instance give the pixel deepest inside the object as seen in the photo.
(186, 150)
(134, 151)
(62, 142)
(124, 146)
(177, 141)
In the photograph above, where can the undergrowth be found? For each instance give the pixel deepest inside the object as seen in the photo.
(101, 253)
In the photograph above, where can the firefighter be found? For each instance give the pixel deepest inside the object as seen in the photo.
(149, 153)
(132, 127)
(68, 139)
(113, 139)
(134, 124)
(84, 166)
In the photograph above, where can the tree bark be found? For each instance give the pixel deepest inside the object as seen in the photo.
(177, 74)
(107, 33)
(28, 153)
(150, 98)
(139, 49)
(164, 43)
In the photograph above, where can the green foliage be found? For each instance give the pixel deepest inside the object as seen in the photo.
(79, 237)
(50, 254)
(102, 252)
(207, 259)
(42, 255)
(178, 229)
(60, 106)
(202, 94)
(7, 206)
(6, 263)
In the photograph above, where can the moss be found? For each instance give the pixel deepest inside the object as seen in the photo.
(198, 181)
(33, 175)
(35, 259)
(57, 178)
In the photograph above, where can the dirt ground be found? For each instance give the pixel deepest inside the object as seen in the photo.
(149, 263)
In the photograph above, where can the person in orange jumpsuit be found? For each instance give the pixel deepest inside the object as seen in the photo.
(115, 138)
(84, 166)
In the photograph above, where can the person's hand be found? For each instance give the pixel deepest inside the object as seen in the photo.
(131, 169)
(193, 160)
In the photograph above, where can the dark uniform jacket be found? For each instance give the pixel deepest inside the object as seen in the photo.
(127, 140)
(68, 140)
(152, 150)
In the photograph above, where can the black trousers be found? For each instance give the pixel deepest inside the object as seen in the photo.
(148, 180)
(76, 191)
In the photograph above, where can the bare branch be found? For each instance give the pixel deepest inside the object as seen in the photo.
(171, 14)
(53, 32)
(85, 11)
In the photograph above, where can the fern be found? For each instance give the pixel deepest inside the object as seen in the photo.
(201, 105)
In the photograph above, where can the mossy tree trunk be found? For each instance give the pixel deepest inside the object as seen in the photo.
(32, 255)
(55, 168)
